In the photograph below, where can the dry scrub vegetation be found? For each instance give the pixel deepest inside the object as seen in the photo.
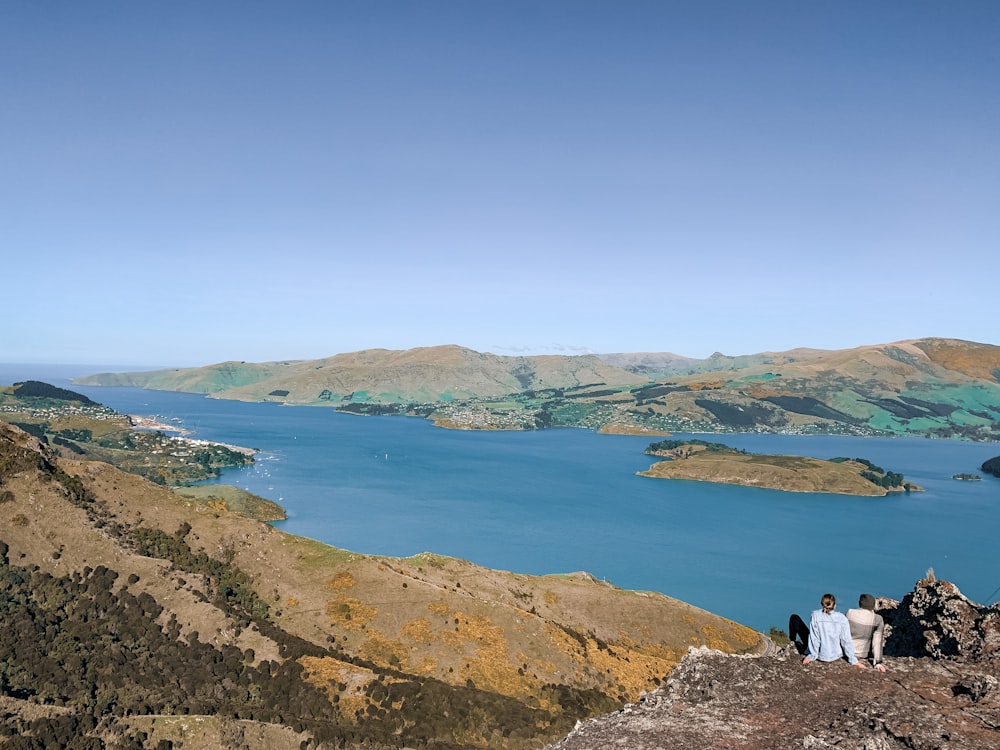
(129, 604)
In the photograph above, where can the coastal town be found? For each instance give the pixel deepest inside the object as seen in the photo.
(151, 446)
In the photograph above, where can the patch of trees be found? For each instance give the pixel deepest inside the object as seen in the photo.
(84, 644)
(594, 394)
(889, 479)
(35, 429)
(809, 406)
(525, 375)
(77, 642)
(66, 443)
(375, 410)
(663, 446)
(583, 386)
(81, 434)
(544, 418)
(967, 431)
(68, 732)
(992, 466)
(232, 588)
(544, 393)
(932, 407)
(649, 392)
(900, 409)
(421, 410)
(733, 415)
(876, 474)
(38, 389)
(862, 461)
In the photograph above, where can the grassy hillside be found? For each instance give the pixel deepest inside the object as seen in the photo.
(886, 389)
(931, 387)
(135, 614)
(423, 375)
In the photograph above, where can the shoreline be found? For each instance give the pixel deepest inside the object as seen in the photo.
(139, 422)
(152, 423)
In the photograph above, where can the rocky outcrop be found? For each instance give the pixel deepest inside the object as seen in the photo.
(936, 620)
(941, 690)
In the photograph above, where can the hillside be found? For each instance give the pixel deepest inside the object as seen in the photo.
(943, 388)
(137, 616)
(423, 375)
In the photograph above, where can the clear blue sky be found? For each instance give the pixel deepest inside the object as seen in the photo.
(183, 183)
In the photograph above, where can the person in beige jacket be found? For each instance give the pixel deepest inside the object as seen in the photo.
(867, 631)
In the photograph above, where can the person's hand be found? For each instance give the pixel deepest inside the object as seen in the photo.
(860, 665)
(806, 660)
(880, 667)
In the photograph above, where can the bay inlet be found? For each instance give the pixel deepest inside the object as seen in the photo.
(558, 501)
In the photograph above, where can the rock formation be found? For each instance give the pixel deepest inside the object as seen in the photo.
(941, 690)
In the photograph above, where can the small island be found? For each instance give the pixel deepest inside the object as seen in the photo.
(715, 462)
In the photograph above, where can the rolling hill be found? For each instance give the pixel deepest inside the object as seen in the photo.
(424, 375)
(933, 387)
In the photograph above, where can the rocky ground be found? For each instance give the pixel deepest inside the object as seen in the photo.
(941, 690)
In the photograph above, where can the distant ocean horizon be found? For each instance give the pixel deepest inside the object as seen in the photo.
(558, 501)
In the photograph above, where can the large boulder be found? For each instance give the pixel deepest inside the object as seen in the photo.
(937, 620)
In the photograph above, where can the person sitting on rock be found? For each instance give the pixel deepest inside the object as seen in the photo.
(867, 631)
(830, 635)
(798, 633)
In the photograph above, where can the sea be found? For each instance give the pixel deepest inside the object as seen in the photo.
(566, 500)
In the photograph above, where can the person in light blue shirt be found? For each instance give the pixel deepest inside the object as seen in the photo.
(830, 635)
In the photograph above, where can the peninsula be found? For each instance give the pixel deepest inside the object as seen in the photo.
(715, 462)
(75, 426)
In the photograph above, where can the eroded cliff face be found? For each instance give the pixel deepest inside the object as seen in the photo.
(941, 690)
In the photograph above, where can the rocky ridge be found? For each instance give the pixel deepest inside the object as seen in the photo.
(941, 690)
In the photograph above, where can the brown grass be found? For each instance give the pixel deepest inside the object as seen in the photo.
(789, 473)
(966, 357)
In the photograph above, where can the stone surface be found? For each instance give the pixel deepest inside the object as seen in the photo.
(941, 690)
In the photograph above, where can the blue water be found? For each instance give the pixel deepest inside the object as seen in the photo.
(566, 500)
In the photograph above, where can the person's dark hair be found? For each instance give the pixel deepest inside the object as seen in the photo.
(867, 601)
(829, 603)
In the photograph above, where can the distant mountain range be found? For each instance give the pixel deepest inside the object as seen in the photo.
(932, 387)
